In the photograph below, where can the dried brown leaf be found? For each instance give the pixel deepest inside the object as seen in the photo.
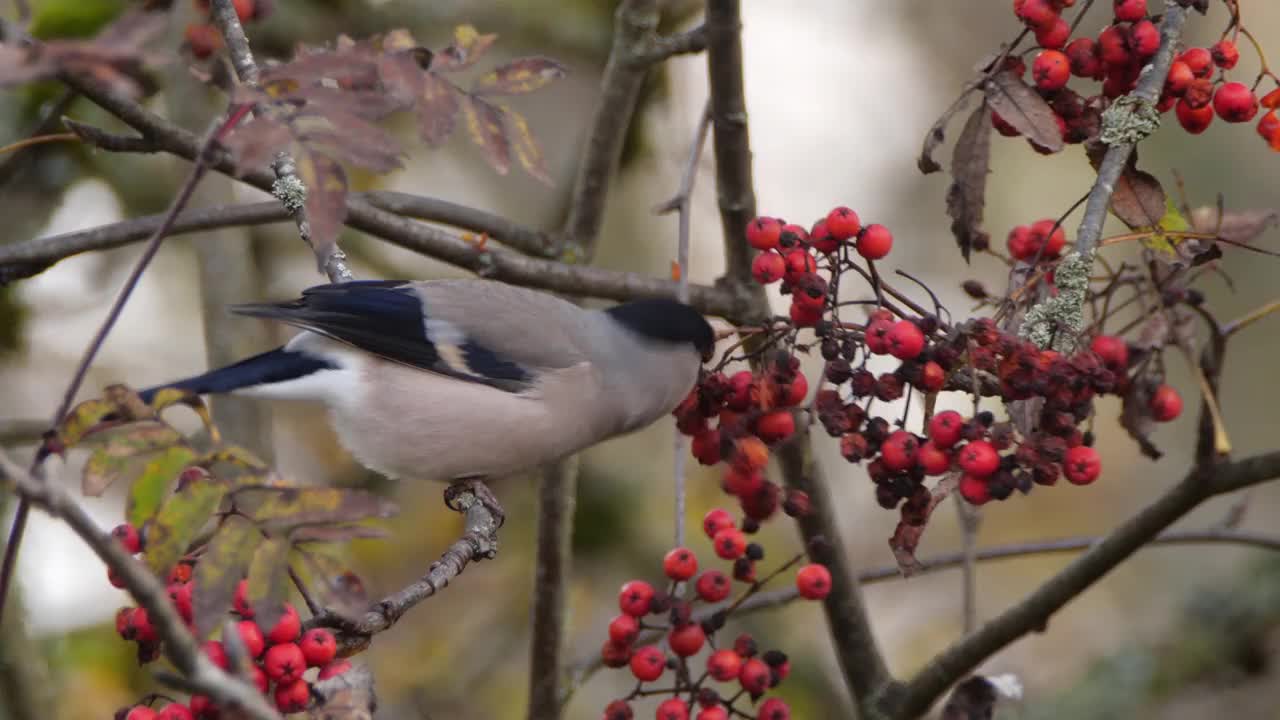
(348, 138)
(1139, 199)
(522, 75)
(1023, 108)
(254, 143)
(488, 130)
(970, 163)
(438, 107)
(1238, 226)
(1136, 417)
(468, 45)
(906, 537)
(326, 199)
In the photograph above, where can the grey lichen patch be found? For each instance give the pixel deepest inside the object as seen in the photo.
(1129, 120)
(1056, 322)
(290, 191)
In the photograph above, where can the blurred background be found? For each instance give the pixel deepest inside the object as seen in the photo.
(840, 95)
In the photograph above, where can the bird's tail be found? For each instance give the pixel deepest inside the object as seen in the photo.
(275, 366)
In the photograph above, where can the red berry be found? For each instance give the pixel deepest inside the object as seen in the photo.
(906, 342)
(715, 712)
(1144, 39)
(1269, 126)
(1021, 246)
(1082, 53)
(175, 711)
(202, 707)
(763, 233)
(128, 537)
(680, 564)
(203, 39)
(618, 710)
(776, 426)
(773, 709)
(1166, 404)
(975, 490)
(843, 223)
(334, 669)
(1049, 235)
(877, 335)
(1180, 78)
(754, 676)
(319, 647)
(944, 428)
(624, 629)
(1002, 126)
(1271, 100)
(793, 235)
(713, 586)
(730, 543)
(284, 663)
(1054, 35)
(724, 665)
(716, 520)
(673, 709)
(874, 242)
(932, 377)
(686, 640)
(813, 581)
(244, 9)
(1199, 60)
(647, 663)
(183, 596)
(979, 458)
(933, 459)
(242, 606)
(768, 268)
(287, 628)
(635, 597)
(804, 315)
(809, 290)
(1113, 47)
(898, 451)
(140, 712)
(706, 446)
(1113, 350)
(251, 636)
(216, 653)
(1235, 102)
(821, 239)
(1193, 120)
(1081, 465)
(1035, 13)
(798, 262)
(180, 573)
(1225, 54)
(292, 696)
(260, 679)
(797, 390)
(1130, 10)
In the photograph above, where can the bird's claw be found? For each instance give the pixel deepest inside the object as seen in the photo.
(482, 494)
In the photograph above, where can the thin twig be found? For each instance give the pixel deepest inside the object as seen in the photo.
(970, 521)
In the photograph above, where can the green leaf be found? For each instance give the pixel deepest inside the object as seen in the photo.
(119, 455)
(287, 508)
(82, 418)
(220, 569)
(269, 581)
(1172, 221)
(151, 487)
(233, 455)
(179, 521)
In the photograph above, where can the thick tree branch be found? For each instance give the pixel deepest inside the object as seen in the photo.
(178, 643)
(515, 236)
(685, 43)
(1117, 156)
(1034, 611)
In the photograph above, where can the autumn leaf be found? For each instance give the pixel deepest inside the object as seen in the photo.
(179, 520)
(326, 201)
(522, 75)
(970, 163)
(117, 453)
(526, 147)
(1136, 417)
(348, 138)
(334, 585)
(284, 508)
(83, 419)
(468, 45)
(1023, 108)
(906, 536)
(269, 581)
(486, 125)
(438, 107)
(1139, 199)
(222, 566)
(254, 143)
(1240, 227)
(152, 486)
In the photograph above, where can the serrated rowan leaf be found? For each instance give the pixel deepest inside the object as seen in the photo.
(233, 455)
(348, 138)
(526, 147)
(438, 107)
(970, 163)
(82, 419)
(334, 585)
(282, 508)
(224, 563)
(179, 520)
(119, 452)
(269, 581)
(326, 201)
(488, 130)
(254, 143)
(1023, 108)
(522, 75)
(153, 484)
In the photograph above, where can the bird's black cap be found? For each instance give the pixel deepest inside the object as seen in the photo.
(668, 320)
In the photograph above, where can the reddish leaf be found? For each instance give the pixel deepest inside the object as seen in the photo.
(485, 123)
(223, 564)
(906, 537)
(437, 108)
(522, 75)
(402, 78)
(1138, 200)
(1023, 108)
(349, 68)
(526, 146)
(256, 142)
(326, 199)
(970, 163)
(347, 137)
(117, 56)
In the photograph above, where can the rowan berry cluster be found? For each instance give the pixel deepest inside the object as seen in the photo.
(650, 614)
(278, 656)
(203, 38)
(1116, 58)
